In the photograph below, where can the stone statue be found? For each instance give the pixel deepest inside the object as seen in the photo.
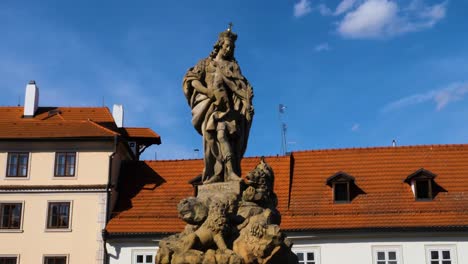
(231, 221)
(236, 226)
(221, 101)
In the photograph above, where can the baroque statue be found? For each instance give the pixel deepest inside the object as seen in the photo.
(231, 220)
(221, 101)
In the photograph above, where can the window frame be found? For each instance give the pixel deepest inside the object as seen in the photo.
(348, 194)
(70, 217)
(7, 167)
(449, 247)
(56, 164)
(66, 256)
(416, 194)
(145, 253)
(11, 256)
(13, 230)
(308, 249)
(397, 249)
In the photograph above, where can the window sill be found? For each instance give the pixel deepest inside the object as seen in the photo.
(16, 178)
(58, 230)
(11, 231)
(64, 178)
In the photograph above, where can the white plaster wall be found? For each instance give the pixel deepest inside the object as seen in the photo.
(333, 249)
(122, 252)
(82, 243)
(359, 250)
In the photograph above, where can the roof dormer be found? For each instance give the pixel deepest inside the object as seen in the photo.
(422, 184)
(344, 187)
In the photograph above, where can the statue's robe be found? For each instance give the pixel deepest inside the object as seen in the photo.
(207, 118)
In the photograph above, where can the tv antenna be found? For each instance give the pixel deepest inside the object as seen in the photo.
(283, 128)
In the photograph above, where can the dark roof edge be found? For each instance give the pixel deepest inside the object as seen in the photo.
(382, 229)
(321, 231)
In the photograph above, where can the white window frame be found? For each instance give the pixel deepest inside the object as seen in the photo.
(67, 257)
(15, 178)
(70, 218)
(386, 249)
(20, 229)
(449, 247)
(144, 252)
(17, 256)
(308, 249)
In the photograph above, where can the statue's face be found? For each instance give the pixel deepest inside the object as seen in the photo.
(227, 50)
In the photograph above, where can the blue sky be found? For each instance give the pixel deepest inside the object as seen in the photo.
(352, 73)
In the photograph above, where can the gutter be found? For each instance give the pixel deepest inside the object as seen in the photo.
(108, 190)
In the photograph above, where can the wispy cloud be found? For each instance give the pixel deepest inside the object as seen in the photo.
(322, 47)
(385, 18)
(355, 127)
(344, 6)
(441, 97)
(302, 8)
(374, 19)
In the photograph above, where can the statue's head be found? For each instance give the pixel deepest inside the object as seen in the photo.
(192, 211)
(225, 45)
(261, 176)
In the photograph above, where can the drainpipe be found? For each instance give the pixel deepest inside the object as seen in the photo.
(108, 194)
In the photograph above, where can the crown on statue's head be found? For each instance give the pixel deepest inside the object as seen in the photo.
(228, 34)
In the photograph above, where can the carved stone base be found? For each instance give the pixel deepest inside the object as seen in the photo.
(219, 189)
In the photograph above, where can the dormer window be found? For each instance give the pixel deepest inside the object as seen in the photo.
(422, 184)
(341, 192)
(344, 187)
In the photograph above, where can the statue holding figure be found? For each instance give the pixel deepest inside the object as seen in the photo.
(221, 101)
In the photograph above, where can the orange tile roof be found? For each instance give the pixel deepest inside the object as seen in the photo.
(67, 122)
(152, 189)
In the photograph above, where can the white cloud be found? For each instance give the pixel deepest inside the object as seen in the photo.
(324, 10)
(322, 47)
(441, 97)
(302, 8)
(371, 19)
(355, 127)
(344, 6)
(384, 18)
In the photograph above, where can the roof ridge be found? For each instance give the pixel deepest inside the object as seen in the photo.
(189, 159)
(381, 147)
(102, 127)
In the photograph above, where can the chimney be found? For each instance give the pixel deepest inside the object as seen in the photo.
(31, 99)
(118, 114)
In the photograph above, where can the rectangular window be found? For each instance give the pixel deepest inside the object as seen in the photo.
(8, 260)
(10, 215)
(441, 256)
(65, 164)
(17, 164)
(144, 258)
(423, 190)
(341, 192)
(387, 254)
(55, 260)
(58, 216)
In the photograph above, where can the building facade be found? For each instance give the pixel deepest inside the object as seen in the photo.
(383, 205)
(59, 168)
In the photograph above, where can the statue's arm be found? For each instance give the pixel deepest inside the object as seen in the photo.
(201, 88)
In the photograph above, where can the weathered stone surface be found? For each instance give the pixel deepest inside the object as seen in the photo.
(230, 221)
(221, 101)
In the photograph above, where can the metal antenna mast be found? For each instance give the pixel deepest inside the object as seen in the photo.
(283, 128)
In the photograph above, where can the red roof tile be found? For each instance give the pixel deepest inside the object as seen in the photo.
(155, 188)
(67, 122)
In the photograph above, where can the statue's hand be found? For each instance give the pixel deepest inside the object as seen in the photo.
(248, 194)
(257, 230)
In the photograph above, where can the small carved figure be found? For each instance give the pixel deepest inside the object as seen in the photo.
(221, 101)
